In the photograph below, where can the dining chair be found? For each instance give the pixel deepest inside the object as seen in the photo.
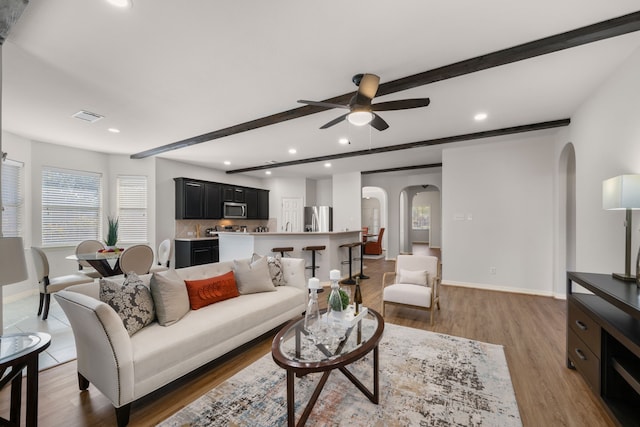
(49, 285)
(86, 247)
(164, 256)
(416, 283)
(374, 244)
(137, 258)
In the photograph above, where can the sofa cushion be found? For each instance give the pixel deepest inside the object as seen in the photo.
(413, 277)
(275, 268)
(132, 301)
(170, 297)
(253, 277)
(211, 290)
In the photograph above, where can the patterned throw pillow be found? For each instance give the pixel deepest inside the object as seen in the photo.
(208, 291)
(275, 268)
(131, 300)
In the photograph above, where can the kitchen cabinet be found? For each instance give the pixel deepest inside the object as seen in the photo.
(189, 199)
(231, 193)
(196, 252)
(263, 204)
(212, 200)
(257, 203)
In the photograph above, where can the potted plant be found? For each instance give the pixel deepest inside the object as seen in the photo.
(112, 232)
(344, 297)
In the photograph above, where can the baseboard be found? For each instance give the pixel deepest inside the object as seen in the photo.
(500, 288)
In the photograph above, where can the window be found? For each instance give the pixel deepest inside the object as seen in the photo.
(132, 209)
(71, 206)
(12, 198)
(420, 217)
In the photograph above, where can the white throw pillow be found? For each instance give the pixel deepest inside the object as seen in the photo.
(170, 297)
(275, 268)
(252, 277)
(409, 277)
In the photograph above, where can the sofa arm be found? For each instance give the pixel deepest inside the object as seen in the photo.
(104, 351)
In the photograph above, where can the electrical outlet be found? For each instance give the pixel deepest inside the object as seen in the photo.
(492, 270)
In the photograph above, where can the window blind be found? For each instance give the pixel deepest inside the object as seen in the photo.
(12, 198)
(71, 206)
(132, 209)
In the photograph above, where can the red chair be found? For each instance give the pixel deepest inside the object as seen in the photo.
(374, 247)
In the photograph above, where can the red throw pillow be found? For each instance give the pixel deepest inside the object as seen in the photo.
(207, 291)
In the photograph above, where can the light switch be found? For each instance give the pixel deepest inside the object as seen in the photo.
(458, 217)
(469, 217)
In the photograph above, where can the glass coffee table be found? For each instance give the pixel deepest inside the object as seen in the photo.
(293, 350)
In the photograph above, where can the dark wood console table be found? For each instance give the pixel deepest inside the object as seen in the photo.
(603, 341)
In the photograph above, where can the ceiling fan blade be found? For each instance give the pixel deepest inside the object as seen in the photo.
(334, 121)
(378, 123)
(403, 104)
(367, 89)
(323, 104)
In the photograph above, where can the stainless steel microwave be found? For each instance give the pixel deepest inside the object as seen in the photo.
(234, 210)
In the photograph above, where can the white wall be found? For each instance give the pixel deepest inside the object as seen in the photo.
(497, 211)
(605, 132)
(324, 192)
(281, 188)
(347, 195)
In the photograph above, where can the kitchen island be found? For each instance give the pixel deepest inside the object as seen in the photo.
(239, 245)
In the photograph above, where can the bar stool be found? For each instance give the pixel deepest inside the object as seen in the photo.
(362, 275)
(282, 250)
(349, 280)
(313, 250)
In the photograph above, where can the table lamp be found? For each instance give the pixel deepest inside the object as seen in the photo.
(618, 193)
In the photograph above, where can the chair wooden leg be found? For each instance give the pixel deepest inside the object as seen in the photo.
(47, 301)
(122, 415)
(40, 304)
(432, 311)
(383, 307)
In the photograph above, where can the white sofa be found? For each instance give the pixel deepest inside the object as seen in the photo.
(126, 368)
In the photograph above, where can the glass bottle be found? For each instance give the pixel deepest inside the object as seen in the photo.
(312, 316)
(357, 299)
(334, 309)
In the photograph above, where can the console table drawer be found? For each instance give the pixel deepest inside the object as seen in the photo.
(587, 363)
(585, 328)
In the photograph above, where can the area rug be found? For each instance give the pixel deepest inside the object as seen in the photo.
(426, 379)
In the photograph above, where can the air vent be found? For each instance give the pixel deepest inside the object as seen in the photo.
(87, 116)
(271, 162)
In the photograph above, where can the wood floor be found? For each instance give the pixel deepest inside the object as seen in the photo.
(531, 329)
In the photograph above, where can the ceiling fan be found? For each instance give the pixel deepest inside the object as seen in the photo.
(361, 110)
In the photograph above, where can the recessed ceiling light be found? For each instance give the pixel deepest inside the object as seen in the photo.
(121, 3)
(114, 130)
(292, 151)
(480, 117)
(227, 162)
(343, 141)
(327, 165)
(267, 173)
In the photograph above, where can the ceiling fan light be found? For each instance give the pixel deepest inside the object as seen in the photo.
(360, 118)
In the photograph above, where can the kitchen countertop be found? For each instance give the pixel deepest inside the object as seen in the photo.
(190, 239)
(302, 233)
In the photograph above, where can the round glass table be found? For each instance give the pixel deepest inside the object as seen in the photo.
(295, 350)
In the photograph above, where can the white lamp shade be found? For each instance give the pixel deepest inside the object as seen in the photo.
(621, 192)
(360, 118)
(13, 266)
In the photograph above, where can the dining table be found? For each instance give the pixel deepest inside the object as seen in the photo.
(105, 263)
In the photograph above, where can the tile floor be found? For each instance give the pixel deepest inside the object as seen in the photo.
(20, 316)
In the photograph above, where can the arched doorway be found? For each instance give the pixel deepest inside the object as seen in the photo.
(566, 244)
(420, 217)
(374, 211)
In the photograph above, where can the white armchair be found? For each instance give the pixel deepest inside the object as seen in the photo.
(415, 283)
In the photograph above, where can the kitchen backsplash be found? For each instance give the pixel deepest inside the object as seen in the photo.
(187, 227)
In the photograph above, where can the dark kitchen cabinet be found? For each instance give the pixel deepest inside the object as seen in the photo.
(251, 198)
(263, 204)
(212, 200)
(189, 199)
(231, 193)
(196, 252)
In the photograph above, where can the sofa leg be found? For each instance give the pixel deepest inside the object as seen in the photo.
(83, 383)
(122, 415)
(40, 304)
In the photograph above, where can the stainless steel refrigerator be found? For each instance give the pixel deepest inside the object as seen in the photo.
(318, 218)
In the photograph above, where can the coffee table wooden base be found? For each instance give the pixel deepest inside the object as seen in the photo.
(291, 400)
